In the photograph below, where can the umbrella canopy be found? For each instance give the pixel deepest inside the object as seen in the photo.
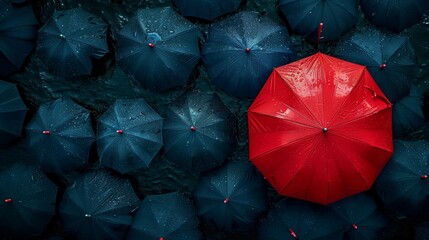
(320, 129)
(327, 19)
(389, 58)
(198, 132)
(12, 113)
(206, 9)
(18, 31)
(362, 219)
(395, 15)
(159, 48)
(403, 185)
(422, 231)
(27, 201)
(98, 205)
(232, 197)
(70, 40)
(129, 135)
(292, 219)
(168, 216)
(242, 50)
(408, 114)
(60, 136)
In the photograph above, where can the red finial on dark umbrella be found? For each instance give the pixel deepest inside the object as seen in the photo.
(319, 33)
(383, 66)
(354, 226)
(46, 132)
(293, 234)
(193, 129)
(151, 45)
(161, 238)
(8, 200)
(247, 50)
(424, 176)
(119, 131)
(226, 200)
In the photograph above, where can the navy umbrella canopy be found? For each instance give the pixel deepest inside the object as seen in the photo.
(292, 219)
(407, 114)
(232, 197)
(159, 48)
(168, 216)
(129, 135)
(12, 113)
(395, 15)
(198, 131)
(242, 50)
(98, 205)
(422, 231)
(362, 219)
(305, 16)
(60, 136)
(18, 32)
(27, 201)
(403, 184)
(389, 58)
(206, 9)
(70, 40)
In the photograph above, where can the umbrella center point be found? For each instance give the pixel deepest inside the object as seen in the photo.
(383, 66)
(292, 233)
(161, 238)
(325, 129)
(247, 50)
(354, 226)
(424, 176)
(87, 215)
(8, 200)
(226, 200)
(119, 131)
(62, 36)
(193, 129)
(151, 45)
(46, 132)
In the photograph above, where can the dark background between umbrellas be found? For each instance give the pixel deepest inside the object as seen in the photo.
(108, 82)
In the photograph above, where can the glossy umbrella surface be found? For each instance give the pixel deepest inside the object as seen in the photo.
(129, 135)
(12, 113)
(206, 9)
(60, 136)
(242, 50)
(27, 203)
(70, 40)
(320, 129)
(159, 48)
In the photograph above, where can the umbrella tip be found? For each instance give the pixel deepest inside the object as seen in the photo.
(383, 66)
(87, 215)
(8, 200)
(193, 129)
(324, 129)
(354, 226)
(151, 45)
(226, 200)
(247, 50)
(424, 176)
(119, 131)
(46, 132)
(161, 238)
(292, 233)
(62, 36)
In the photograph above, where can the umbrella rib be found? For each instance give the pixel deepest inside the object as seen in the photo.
(357, 140)
(399, 48)
(283, 119)
(358, 119)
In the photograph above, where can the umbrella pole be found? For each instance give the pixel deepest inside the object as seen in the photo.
(319, 34)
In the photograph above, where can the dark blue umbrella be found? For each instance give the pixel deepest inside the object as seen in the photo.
(389, 58)
(27, 201)
(129, 135)
(168, 216)
(60, 136)
(159, 48)
(403, 185)
(362, 219)
(18, 30)
(206, 9)
(12, 113)
(292, 219)
(242, 50)
(407, 114)
(422, 231)
(98, 205)
(232, 197)
(70, 40)
(305, 16)
(395, 15)
(198, 131)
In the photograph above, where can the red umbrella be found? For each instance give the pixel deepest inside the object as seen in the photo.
(320, 129)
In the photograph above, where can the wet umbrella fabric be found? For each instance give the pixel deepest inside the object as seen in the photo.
(320, 113)
(129, 135)
(70, 40)
(198, 132)
(407, 115)
(292, 219)
(305, 16)
(394, 15)
(165, 216)
(12, 113)
(362, 219)
(232, 197)
(60, 136)
(389, 58)
(403, 184)
(18, 32)
(27, 201)
(242, 50)
(98, 205)
(159, 48)
(206, 9)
